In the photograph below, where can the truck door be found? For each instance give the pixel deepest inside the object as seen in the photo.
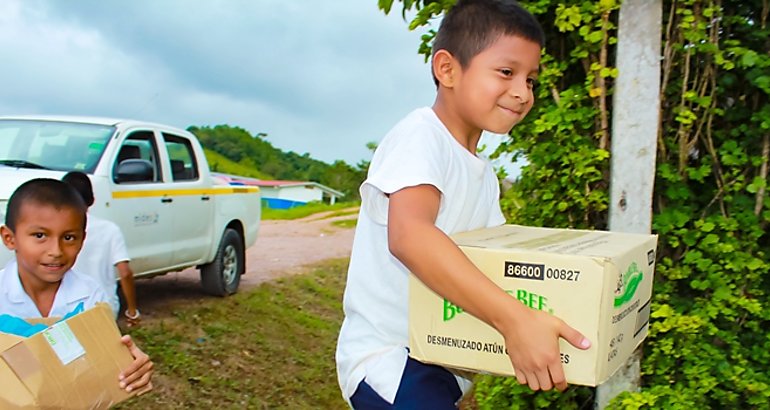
(140, 206)
(193, 206)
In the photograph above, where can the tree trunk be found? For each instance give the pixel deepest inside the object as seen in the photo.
(634, 137)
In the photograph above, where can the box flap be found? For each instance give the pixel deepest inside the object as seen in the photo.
(7, 340)
(601, 244)
(13, 395)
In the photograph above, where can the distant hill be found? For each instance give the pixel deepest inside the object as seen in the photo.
(220, 163)
(235, 151)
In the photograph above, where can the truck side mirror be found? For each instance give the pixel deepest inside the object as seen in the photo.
(135, 170)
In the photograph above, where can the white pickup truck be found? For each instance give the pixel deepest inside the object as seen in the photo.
(151, 180)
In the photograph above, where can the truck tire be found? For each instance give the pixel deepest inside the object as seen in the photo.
(222, 276)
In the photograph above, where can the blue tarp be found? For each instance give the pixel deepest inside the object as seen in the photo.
(275, 203)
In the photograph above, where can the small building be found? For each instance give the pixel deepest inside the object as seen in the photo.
(287, 194)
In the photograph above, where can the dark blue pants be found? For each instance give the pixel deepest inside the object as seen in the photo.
(423, 386)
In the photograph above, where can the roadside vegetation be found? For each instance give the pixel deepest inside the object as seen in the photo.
(297, 212)
(267, 347)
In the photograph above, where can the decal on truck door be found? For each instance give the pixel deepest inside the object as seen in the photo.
(146, 219)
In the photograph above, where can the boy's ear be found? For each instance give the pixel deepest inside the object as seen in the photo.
(446, 68)
(8, 238)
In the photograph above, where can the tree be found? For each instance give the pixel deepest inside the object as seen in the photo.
(253, 151)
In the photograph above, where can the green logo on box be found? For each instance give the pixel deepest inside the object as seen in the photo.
(529, 299)
(627, 285)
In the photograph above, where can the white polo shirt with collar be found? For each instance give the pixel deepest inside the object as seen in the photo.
(102, 250)
(75, 288)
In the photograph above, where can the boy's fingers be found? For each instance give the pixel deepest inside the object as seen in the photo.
(140, 382)
(138, 377)
(145, 389)
(557, 375)
(132, 348)
(574, 337)
(534, 384)
(135, 365)
(141, 362)
(544, 379)
(520, 376)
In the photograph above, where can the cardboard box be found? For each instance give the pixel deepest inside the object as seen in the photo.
(598, 282)
(73, 364)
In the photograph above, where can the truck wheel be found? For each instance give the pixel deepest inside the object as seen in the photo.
(222, 276)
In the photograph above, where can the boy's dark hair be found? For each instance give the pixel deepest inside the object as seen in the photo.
(82, 184)
(43, 191)
(471, 26)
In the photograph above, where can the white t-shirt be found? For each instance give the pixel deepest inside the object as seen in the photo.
(103, 248)
(418, 150)
(75, 288)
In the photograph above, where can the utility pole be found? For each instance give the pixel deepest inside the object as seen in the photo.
(635, 119)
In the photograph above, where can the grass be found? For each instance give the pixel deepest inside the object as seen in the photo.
(268, 347)
(344, 212)
(345, 223)
(307, 210)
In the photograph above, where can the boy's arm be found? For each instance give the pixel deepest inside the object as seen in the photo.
(128, 288)
(531, 336)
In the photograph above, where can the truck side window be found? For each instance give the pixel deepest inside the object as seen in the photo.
(139, 145)
(180, 152)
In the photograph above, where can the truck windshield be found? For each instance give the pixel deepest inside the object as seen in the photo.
(57, 145)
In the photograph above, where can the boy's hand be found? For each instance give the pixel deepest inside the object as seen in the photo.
(133, 322)
(533, 347)
(136, 377)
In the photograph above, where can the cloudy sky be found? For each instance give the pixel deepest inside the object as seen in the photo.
(318, 77)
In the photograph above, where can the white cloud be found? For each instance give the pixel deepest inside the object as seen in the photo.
(323, 78)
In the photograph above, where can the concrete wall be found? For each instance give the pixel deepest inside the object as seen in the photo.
(300, 193)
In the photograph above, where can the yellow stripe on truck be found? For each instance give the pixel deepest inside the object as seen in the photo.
(184, 192)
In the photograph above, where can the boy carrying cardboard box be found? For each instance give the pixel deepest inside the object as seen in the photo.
(45, 227)
(425, 182)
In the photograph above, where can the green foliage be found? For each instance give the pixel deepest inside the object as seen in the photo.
(220, 163)
(251, 152)
(506, 393)
(707, 347)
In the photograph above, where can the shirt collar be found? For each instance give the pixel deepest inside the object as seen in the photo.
(73, 288)
(12, 283)
(70, 290)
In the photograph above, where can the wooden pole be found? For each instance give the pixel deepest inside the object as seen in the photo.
(635, 116)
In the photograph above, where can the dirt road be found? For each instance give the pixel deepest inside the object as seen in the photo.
(282, 248)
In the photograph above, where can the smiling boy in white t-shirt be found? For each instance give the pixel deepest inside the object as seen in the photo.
(426, 182)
